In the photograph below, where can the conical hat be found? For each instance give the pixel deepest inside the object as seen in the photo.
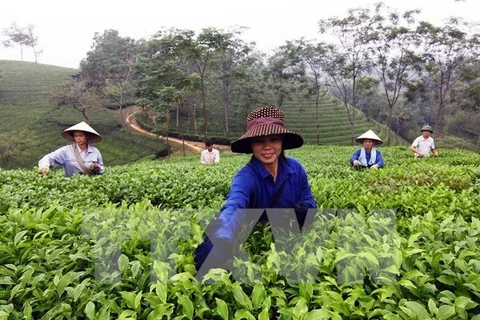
(82, 126)
(369, 135)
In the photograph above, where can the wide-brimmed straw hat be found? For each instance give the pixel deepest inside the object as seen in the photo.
(426, 128)
(82, 126)
(265, 121)
(369, 135)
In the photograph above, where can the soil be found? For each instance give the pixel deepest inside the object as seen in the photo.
(193, 145)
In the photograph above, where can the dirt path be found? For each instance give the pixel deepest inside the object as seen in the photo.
(192, 145)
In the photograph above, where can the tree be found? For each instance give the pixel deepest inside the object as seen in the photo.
(208, 42)
(163, 83)
(32, 41)
(108, 69)
(311, 59)
(23, 37)
(77, 95)
(16, 35)
(393, 45)
(447, 49)
(348, 63)
(230, 65)
(284, 74)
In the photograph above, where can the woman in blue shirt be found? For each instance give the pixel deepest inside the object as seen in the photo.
(368, 156)
(269, 180)
(79, 157)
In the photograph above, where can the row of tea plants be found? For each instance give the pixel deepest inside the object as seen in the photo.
(396, 243)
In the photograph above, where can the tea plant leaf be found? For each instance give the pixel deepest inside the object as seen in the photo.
(160, 311)
(241, 298)
(432, 307)
(127, 315)
(123, 262)
(135, 268)
(445, 312)
(243, 314)
(138, 300)
(77, 292)
(222, 308)
(318, 315)
(415, 310)
(161, 291)
(129, 298)
(90, 310)
(187, 306)
(18, 237)
(370, 257)
(258, 295)
(446, 280)
(465, 303)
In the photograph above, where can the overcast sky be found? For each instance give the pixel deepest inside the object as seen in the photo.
(65, 29)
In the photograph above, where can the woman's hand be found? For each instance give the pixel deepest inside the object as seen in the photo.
(95, 168)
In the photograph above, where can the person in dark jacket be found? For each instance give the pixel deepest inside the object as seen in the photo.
(269, 180)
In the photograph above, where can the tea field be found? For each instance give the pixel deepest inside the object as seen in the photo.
(396, 243)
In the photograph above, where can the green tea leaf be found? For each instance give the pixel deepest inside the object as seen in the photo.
(445, 312)
(18, 237)
(258, 295)
(241, 297)
(446, 280)
(222, 308)
(90, 310)
(77, 292)
(129, 298)
(416, 310)
(318, 315)
(123, 262)
(187, 306)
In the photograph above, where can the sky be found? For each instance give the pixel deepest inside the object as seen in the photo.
(65, 29)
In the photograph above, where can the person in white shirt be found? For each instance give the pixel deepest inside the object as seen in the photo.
(209, 155)
(423, 145)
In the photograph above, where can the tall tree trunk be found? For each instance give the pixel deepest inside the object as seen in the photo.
(34, 53)
(195, 122)
(317, 117)
(120, 108)
(389, 124)
(204, 107)
(177, 118)
(226, 129)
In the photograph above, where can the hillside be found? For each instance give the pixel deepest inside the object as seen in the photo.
(31, 121)
(300, 116)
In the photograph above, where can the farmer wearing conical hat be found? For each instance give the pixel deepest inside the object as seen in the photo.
(79, 157)
(268, 180)
(367, 156)
(423, 145)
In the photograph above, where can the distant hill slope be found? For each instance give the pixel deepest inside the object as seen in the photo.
(300, 116)
(29, 83)
(27, 111)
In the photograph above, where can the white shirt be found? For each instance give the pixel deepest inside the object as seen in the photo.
(208, 157)
(425, 146)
